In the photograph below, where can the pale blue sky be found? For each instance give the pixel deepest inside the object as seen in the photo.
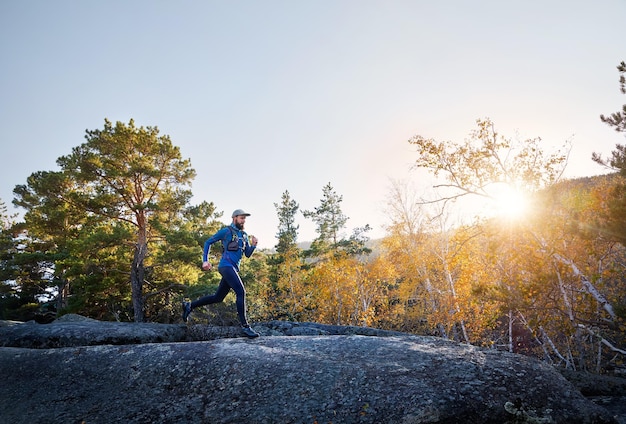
(292, 95)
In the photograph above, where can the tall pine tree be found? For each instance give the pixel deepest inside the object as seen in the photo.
(287, 228)
(329, 221)
(128, 178)
(616, 214)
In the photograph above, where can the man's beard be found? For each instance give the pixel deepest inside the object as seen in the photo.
(239, 226)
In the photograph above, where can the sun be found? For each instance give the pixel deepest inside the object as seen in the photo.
(509, 202)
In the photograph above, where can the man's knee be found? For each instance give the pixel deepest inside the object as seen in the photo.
(240, 292)
(217, 298)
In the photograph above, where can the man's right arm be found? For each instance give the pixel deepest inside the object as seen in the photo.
(207, 246)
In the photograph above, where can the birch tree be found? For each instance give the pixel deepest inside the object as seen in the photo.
(487, 159)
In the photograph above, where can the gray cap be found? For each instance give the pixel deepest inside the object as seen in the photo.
(238, 212)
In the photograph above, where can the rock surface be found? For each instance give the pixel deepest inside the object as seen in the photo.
(75, 330)
(312, 378)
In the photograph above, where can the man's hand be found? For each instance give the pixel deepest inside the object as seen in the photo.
(253, 240)
(206, 265)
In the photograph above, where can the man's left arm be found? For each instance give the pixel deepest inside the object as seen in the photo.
(251, 246)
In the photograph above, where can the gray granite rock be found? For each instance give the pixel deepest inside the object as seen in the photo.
(287, 379)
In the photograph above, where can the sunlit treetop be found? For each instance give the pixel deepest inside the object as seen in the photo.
(490, 166)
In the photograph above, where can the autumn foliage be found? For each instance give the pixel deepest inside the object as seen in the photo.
(548, 282)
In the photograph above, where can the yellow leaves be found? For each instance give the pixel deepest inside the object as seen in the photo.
(487, 158)
(431, 155)
(343, 290)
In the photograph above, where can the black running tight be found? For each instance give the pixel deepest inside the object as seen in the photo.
(230, 280)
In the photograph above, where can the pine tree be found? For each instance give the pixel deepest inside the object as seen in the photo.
(123, 182)
(329, 220)
(287, 228)
(616, 215)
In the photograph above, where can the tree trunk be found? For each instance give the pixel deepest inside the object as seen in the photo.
(546, 353)
(588, 286)
(137, 270)
(136, 280)
(433, 305)
(548, 340)
(64, 292)
(511, 341)
(456, 304)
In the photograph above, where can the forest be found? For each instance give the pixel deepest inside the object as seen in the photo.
(112, 235)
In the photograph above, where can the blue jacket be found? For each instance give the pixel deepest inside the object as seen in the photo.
(229, 258)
